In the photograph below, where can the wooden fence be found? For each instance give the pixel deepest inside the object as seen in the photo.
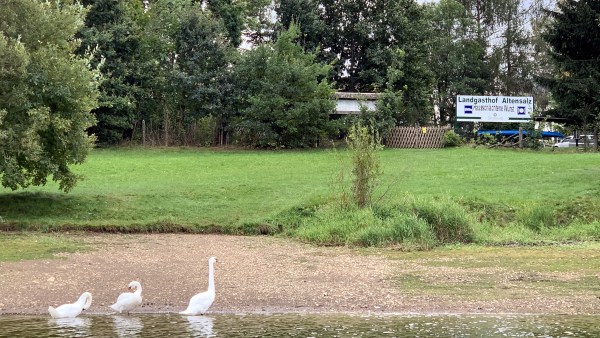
(416, 137)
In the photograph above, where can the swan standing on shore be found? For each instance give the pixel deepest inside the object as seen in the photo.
(128, 301)
(200, 303)
(74, 309)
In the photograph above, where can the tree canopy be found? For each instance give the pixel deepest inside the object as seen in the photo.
(46, 93)
(263, 72)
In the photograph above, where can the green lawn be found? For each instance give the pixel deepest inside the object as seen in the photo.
(195, 188)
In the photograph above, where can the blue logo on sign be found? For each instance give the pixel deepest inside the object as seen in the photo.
(468, 109)
(521, 110)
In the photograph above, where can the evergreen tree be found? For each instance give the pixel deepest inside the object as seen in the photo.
(285, 99)
(574, 39)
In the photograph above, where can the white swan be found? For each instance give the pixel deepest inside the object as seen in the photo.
(200, 303)
(74, 309)
(128, 301)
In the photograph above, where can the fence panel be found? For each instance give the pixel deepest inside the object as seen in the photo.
(416, 137)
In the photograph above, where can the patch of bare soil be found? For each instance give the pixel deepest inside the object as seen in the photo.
(254, 274)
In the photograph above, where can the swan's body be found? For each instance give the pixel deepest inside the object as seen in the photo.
(128, 301)
(74, 309)
(200, 303)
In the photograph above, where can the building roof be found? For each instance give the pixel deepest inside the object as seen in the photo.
(357, 96)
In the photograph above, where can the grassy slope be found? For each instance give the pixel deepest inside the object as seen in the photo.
(204, 187)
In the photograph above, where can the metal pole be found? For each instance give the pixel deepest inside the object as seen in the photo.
(520, 137)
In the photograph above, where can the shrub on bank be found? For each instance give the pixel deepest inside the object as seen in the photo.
(413, 223)
(452, 139)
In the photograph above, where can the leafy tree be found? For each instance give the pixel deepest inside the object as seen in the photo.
(156, 63)
(259, 23)
(185, 60)
(514, 64)
(201, 75)
(112, 31)
(231, 14)
(46, 93)
(364, 41)
(543, 64)
(304, 14)
(504, 27)
(457, 57)
(574, 39)
(285, 95)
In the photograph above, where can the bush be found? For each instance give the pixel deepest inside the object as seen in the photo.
(204, 131)
(452, 139)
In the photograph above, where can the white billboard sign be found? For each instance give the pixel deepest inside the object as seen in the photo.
(471, 108)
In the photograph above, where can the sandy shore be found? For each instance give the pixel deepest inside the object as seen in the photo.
(254, 274)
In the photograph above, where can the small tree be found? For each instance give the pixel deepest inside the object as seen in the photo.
(365, 143)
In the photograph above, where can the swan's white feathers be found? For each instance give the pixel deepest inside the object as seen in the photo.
(128, 301)
(200, 302)
(72, 310)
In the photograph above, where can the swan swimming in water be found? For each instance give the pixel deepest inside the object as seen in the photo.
(74, 309)
(128, 301)
(200, 303)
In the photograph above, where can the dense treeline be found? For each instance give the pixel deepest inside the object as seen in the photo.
(263, 73)
(177, 65)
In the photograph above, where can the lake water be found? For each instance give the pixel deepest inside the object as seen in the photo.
(298, 325)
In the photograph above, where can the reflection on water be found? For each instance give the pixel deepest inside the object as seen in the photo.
(71, 327)
(129, 326)
(299, 325)
(200, 326)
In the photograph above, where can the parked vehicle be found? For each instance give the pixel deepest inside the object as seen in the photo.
(570, 141)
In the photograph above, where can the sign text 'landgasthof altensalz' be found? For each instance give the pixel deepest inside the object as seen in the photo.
(493, 108)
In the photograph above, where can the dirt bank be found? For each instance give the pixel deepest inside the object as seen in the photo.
(255, 274)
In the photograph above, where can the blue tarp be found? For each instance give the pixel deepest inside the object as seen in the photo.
(516, 132)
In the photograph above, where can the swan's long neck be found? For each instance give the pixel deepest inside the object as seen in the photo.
(211, 276)
(83, 299)
(138, 290)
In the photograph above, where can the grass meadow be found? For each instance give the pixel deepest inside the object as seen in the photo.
(425, 197)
